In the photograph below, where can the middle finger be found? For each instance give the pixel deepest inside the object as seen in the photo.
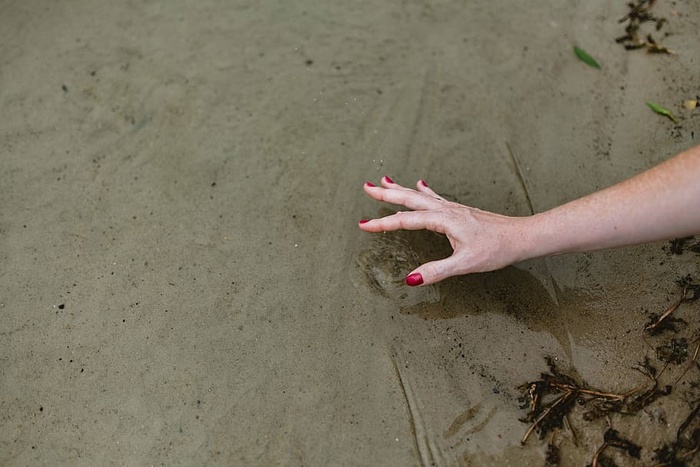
(396, 194)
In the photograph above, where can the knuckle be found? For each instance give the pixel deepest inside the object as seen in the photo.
(433, 270)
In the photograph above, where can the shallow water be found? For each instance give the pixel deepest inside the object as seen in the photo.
(462, 349)
(182, 277)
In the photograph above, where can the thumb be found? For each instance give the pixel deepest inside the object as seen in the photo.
(434, 271)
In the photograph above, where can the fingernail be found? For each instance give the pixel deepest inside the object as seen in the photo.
(414, 279)
(364, 221)
(369, 184)
(388, 179)
(422, 182)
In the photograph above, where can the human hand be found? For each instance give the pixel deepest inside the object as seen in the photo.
(481, 241)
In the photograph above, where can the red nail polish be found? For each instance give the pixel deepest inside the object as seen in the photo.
(364, 221)
(388, 179)
(422, 182)
(414, 279)
(369, 184)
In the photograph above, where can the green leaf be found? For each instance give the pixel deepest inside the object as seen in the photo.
(585, 58)
(661, 111)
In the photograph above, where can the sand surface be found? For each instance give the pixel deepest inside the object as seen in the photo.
(182, 279)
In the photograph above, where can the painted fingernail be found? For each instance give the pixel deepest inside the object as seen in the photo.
(369, 184)
(388, 179)
(364, 221)
(414, 279)
(422, 182)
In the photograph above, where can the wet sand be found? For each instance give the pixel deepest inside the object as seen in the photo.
(182, 280)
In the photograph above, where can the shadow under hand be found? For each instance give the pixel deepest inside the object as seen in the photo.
(385, 260)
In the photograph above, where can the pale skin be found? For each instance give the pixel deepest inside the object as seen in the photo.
(661, 203)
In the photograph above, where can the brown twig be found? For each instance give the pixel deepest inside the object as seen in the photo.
(600, 450)
(567, 424)
(690, 453)
(605, 395)
(543, 415)
(667, 313)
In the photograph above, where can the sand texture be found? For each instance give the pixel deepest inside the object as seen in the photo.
(182, 279)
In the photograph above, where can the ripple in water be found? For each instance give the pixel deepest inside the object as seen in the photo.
(382, 263)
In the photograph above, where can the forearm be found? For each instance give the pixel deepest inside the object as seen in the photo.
(659, 204)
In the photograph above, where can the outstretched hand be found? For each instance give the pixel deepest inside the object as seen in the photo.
(481, 241)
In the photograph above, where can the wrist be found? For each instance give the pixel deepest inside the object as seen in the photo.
(539, 237)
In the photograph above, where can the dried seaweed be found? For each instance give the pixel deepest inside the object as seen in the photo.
(686, 445)
(679, 245)
(673, 351)
(612, 439)
(551, 399)
(639, 14)
(659, 323)
(561, 393)
(552, 456)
